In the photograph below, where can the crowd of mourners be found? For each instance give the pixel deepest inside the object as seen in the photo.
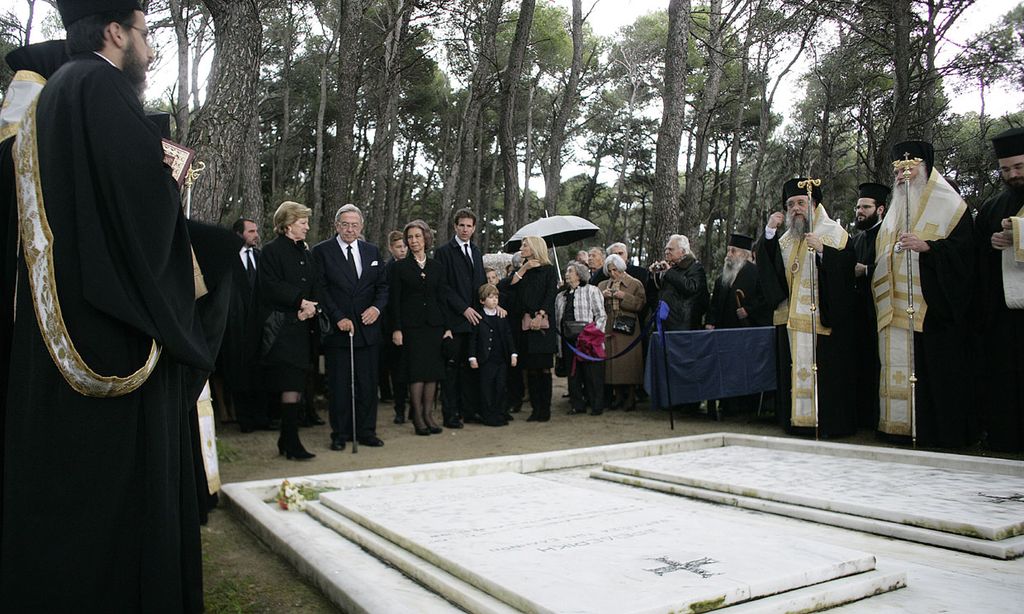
(421, 323)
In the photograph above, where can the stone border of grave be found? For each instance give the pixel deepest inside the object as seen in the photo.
(1009, 548)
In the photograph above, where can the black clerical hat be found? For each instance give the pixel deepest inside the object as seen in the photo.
(916, 149)
(1009, 143)
(875, 191)
(791, 189)
(73, 10)
(41, 58)
(741, 241)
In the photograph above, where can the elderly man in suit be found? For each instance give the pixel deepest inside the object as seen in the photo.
(353, 293)
(464, 274)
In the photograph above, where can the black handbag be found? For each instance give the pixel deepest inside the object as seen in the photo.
(324, 325)
(624, 324)
(572, 329)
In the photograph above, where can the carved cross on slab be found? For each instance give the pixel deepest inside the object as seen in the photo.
(695, 567)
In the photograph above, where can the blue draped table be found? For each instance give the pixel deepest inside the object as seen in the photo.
(710, 364)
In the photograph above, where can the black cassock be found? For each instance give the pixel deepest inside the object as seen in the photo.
(1000, 365)
(722, 311)
(836, 408)
(867, 365)
(99, 505)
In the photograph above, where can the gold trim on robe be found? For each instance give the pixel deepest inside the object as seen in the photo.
(795, 312)
(1013, 265)
(37, 245)
(21, 93)
(932, 218)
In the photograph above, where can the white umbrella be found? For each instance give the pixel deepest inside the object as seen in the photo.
(556, 230)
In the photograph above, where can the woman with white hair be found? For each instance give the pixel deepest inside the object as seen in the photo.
(577, 305)
(624, 297)
(534, 285)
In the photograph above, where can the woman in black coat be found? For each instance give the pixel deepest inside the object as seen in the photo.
(416, 296)
(536, 284)
(287, 279)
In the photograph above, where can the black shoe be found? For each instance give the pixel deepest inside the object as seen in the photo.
(473, 419)
(454, 423)
(596, 413)
(422, 431)
(509, 417)
(372, 442)
(337, 445)
(399, 420)
(533, 418)
(434, 430)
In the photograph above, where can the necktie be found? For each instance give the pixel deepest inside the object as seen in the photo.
(350, 261)
(250, 266)
(469, 256)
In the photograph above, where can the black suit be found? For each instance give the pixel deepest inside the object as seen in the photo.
(238, 358)
(492, 346)
(346, 295)
(868, 366)
(460, 391)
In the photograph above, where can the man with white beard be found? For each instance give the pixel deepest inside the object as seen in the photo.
(738, 301)
(871, 204)
(999, 237)
(940, 246)
(807, 257)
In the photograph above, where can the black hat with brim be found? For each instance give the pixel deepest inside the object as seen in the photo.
(41, 58)
(73, 10)
(792, 188)
(1009, 143)
(741, 241)
(915, 149)
(875, 191)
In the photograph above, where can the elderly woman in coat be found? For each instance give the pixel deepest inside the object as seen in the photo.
(577, 304)
(624, 298)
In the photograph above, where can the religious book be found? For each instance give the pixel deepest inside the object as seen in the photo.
(179, 159)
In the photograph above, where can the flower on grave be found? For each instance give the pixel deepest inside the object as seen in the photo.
(290, 497)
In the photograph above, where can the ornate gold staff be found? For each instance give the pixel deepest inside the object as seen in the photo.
(194, 171)
(810, 184)
(905, 166)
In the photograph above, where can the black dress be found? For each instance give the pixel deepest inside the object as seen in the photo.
(534, 292)
(416, 309)
(287, 276)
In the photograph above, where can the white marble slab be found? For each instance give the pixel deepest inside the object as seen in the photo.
(546, 547)
(968, 503)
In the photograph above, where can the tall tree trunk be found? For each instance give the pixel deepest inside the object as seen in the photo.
(715, 58)
(347, 76)
(250, 182)
(737, 127)
(456, 185)
(197, 56)
(382, 154)
(281, 157)
(222, 125)
(569, 102)
(28, 24)
(179, 16)
(318, 157)
(900, 19)
(591, 190)
(515, 216)
(665, 216)
(627, 147)
(528, 153)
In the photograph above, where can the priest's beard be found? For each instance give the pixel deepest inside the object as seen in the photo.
(1016, 185)
(915, 188)
(730, 268)
(867, 222)
(135, 69)
(796, 223)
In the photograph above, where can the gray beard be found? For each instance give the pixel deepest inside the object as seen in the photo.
(915, 189)
(797, 224)
(729, 271)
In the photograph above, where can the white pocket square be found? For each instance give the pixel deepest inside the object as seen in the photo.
(374, 263)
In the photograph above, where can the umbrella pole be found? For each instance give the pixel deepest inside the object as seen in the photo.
(557, 266)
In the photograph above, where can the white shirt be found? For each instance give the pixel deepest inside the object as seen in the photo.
(355, 254)
(462, 247)
(244, 255)
(107, 59)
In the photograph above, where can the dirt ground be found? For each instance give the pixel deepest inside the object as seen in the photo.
(242, 575)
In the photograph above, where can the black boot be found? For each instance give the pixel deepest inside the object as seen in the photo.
(544, 388)
(288, 443)
(532, 391)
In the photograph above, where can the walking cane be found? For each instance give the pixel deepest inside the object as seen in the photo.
(662, 315)
(352, 374)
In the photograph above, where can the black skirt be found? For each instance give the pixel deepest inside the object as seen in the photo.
(422, 360)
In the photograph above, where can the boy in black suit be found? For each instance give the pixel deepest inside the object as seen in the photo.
(491, 351)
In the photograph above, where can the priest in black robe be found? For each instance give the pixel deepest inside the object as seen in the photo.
(99, 505)
(737, 301)
(814, 258)
(871, 203)
(1000, 367)
(940, 246)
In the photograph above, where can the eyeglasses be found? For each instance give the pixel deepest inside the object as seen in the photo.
(143, 31)
(350, 225)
